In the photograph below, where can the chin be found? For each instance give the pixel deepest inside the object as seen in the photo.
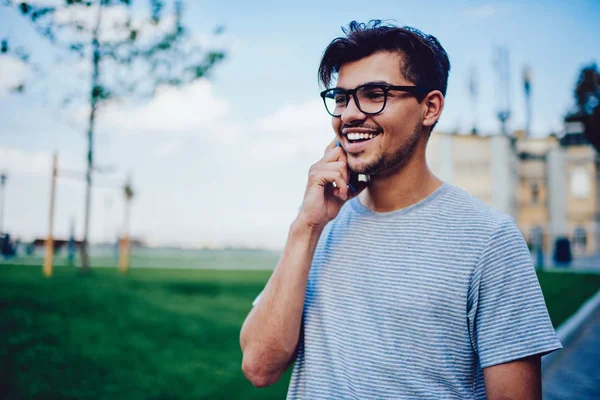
(361, 167)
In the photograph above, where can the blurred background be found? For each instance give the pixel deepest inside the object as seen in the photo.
(153, 154)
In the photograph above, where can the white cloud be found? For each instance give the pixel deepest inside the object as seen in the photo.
(293, 130)
(19, 162)
(295, 119)
(192, 110)
(168, 148)
(30, 163)
(12, 73)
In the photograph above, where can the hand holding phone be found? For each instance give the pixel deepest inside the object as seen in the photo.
(330, 185)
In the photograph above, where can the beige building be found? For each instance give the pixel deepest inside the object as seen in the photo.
(574, 184)
(550, 186)
(485, 166)
(533, 212)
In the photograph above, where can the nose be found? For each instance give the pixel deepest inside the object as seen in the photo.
(352, 112)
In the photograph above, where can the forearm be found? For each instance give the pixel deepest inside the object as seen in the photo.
(270, 333)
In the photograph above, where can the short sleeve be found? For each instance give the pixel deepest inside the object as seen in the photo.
(508, 318)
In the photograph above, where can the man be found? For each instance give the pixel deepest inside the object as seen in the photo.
(415, 290)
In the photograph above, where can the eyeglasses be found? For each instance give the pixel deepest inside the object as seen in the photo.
(370, 98)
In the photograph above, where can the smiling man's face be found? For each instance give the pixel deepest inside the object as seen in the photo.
(397, 129)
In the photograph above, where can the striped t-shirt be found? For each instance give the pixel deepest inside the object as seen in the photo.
(412, 304)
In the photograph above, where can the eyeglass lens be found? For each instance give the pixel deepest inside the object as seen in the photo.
(370, 99)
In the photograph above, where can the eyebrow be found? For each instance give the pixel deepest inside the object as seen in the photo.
(366, 83)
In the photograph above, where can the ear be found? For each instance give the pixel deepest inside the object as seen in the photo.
(432, 106)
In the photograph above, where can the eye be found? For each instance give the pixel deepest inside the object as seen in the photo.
(372, 94)
(340, 98)
(375, 95)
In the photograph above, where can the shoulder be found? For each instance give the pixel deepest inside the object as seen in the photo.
(459, 207)
(467, 223)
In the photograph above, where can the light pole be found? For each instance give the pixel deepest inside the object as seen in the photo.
(49, 257)
(125, 243)
(2, 184)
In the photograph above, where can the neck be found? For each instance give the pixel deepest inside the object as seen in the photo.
(402, 188)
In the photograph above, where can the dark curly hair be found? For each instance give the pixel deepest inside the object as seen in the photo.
(425, 62)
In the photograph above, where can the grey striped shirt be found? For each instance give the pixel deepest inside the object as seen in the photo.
(412, 304)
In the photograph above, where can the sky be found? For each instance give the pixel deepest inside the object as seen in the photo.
(224, 161)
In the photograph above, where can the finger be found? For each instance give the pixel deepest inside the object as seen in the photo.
(330, 191)
(340, 166)
(336, 191)
(332, 145)
(324, 177)
(335, 154)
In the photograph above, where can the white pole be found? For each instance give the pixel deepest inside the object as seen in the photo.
(2, 184)
(49, 258)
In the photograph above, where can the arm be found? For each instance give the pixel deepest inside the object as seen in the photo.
(515, 380)
(269, 336)
(508, 320)
(270, 333)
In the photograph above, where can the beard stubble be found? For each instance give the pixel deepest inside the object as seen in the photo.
(388, 164)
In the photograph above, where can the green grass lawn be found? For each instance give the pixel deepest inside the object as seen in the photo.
(565, 292)
(154, 334)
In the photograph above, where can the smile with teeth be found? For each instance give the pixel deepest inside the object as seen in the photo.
(360, 136)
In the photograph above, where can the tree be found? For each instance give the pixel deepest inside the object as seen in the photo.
(587, 100)
(132, 50)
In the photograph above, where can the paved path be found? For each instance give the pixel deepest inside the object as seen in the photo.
(575, 373)
(587, 263)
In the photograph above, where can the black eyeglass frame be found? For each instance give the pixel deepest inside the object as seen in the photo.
(419, 91)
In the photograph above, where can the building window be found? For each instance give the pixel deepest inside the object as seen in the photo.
(580, 183)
